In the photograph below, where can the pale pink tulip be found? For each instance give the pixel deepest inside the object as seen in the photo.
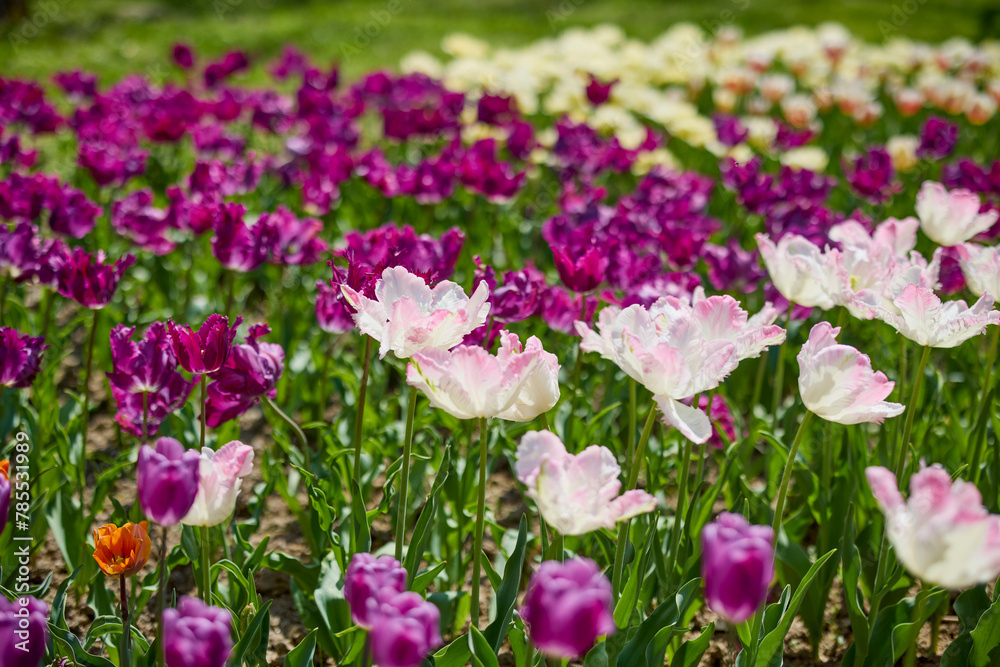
(220, 479)
(837, 382)
(722, 318)
(408, 316)
(669, 355)
(576, 494)
(468, 382)
(920, 315)
(950, 218)
(540, 391)
(801, 271)
(981, 267)
(941, 533)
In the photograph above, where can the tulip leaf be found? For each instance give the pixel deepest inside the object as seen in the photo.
(667, 615)
(69, 644)
(986, 637)
(251, 637)
(57, 613)
(455, 654)
(771, 648)
(597, 656)
(851, 566)
(969, 607)
(423, 529)
(302, 655)
(691, 651)
(361, 535)
(506, 596)
(482, 653)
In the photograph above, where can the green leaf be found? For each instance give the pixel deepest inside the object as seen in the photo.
(851, 567)
(482, 652)
(69, 644)
(506, 594)
(667, 615)
(59, 602)
(425, 577)
(455, 654)
(597, 656)
(360, 529)
(251, 638)
(986, 637)
(690, 652)
(772, 647)
(302, 655)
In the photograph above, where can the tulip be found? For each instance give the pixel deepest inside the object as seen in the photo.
(368, 577)
(220, 479)
(981, 266)
(24, 631)
(937, 139)
(20, 358)
(950, 218)
(941, 533)
(88, 280)
(405, 630)
(167, 479)
(567, 607)
(204, 350)
(576, 494)
(144, 366)
(407, 316)
(803, 273)
(837, 382)
(582, 272)
(332, 312)
(737, 564)
(196, 635)
(142, 414)
(540, 392)
(250, 373)
(122, 552)
(470, 383)
(722, 318)
(5, 493)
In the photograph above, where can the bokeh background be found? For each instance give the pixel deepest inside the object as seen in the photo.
(115, 37)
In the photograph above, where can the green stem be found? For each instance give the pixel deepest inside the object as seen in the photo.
(991, 357)
(162, 595)
(86, 399)
(633, 478)
(292, 425)
(50, 299)
(230, 291)
(477, 548)
(683, 471)
(779, 376)
(323, 400)
(404, 476)
(758, 383)
(204, 404)
(918, 611)
(3, 296)
(125, 659)
(632, 420)
(206, 565)
(545, 421)
(359, 420)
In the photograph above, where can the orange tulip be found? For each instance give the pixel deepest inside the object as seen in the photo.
(122, 551)
(5, 469)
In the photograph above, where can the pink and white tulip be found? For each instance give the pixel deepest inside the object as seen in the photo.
(220, 479)
(408, 316)
(981, 267)
(941, 533)
(920, 315)
(540, 391)
(950, 218)
(468, 382)
(837, 383)
(804, 273)
(576, 494)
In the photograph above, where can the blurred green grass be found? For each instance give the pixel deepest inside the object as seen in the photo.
(114, 38)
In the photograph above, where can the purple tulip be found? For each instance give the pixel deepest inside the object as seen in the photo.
(560, 309)
(368, 578)
(497, 110)
(144, 365)
(196, 635)
(167, 480)
(250, 373)
(870, 175)
(24, 631)
(88, 280)
(135, 216)
(421, 254)
(295, 241)
(582, 271)
(405, 629)
(729, 129)
(237, 246)
(737, 564)
(205, 350)
(20, 357)
(567, 607)
(598, 92)
(159, 404)
(937, 139)
(77, 84)
(111, 164)
(72, 213)
(480, 171)
(26, 256)
(182, 55)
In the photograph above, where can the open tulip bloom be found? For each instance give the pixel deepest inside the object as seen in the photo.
(951, 218)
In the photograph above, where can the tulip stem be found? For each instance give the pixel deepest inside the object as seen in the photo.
(480, 517)
(162, 593)
(786, 475)
(683, 472)
(206, 564)
(123, 650)
(50, 298)
(404, 475)
(204, 405)
(981, 438)
(632, 419)
(359, 421)
(779, 375)
(230, 288)
(292, 425)
(86, 401)
(918, 611)
(633, 478)
(3, 296)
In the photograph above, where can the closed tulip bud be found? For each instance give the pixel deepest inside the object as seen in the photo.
(204, 350)
(368, 577)
(167, 480)
(196, 635)
(122, 552)
(737, 564)
(567, 607)
(24, 631)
